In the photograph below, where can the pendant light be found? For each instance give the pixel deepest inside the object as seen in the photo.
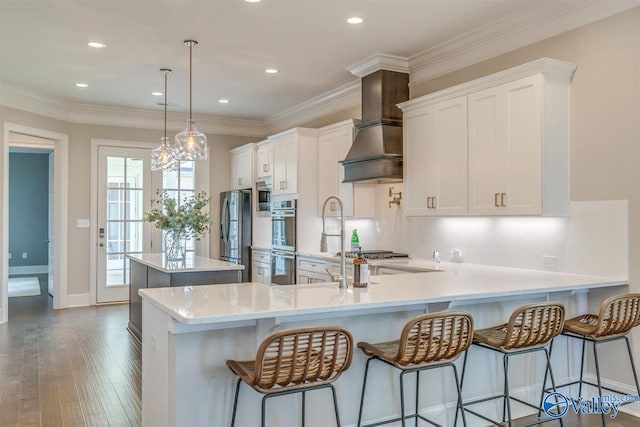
(165, 157)
(191, 144)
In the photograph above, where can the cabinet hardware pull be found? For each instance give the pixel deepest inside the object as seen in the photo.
(433, 202)
(334, 206)
(239, 181)
(495, 199)
(502, 197)
(265, 168)
(428, 202)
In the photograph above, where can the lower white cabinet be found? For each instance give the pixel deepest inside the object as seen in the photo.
(261, 266)
(311, 270)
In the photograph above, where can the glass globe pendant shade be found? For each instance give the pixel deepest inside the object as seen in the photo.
(191, 143)
(164, 157)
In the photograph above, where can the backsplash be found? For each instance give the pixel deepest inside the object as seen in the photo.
(593, 240)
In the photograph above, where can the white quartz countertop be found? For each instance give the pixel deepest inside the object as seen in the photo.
(456, 282)
(192, 263)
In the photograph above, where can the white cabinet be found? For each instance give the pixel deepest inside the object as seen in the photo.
(291, 149)
(311, 270)
(505, 149)
(435, 159)
(498, 145)
(358, 200)
(242, 159)
(264, 160)
(261, 266)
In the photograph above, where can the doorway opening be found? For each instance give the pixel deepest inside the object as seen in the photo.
(33, 218)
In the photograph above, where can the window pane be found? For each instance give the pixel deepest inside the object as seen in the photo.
(134, 237)
(185, 195)
(170, 180)
(135, 207)
(187, 176)
(115, 237)
(115, 171)
(115, 270)
(134, 173)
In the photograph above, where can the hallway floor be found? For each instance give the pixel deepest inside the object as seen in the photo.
(72, 367)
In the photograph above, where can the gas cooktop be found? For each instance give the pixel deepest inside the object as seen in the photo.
(375, 254)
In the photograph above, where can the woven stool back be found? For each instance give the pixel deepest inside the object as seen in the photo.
(618, 314)
(296, 357)
(533, 325)
(435, 337)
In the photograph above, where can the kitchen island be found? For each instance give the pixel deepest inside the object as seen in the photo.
(152, 270)
(194, 330)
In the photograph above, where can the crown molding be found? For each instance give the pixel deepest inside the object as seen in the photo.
(509, 33)
(551, 69)
(104, 115)
(346, 96)
(349, 123)
(379, 61)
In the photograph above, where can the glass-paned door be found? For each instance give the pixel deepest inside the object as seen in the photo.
(124, 195)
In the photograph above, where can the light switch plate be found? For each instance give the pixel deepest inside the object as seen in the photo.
(550, 262)
(83, 223)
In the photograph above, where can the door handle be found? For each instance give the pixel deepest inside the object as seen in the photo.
(101, 244)
(495, 200)
(502, 202)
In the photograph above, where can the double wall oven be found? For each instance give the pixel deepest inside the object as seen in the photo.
(283, 242)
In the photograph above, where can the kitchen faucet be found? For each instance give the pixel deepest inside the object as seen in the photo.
(342, 278)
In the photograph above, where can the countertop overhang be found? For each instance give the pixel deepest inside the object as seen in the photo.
(192, 263)
(199, 305)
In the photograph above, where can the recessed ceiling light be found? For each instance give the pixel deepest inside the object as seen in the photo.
(270, 71)
(97, 45)
(157, 93)
(355, 20)
(224, 101)
(82, 85)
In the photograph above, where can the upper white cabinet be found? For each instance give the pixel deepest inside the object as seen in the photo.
(242, 159)
(498, 145)
(505, 149)
(358, 200)
(435, 159)
(264, 160)
(290, 148)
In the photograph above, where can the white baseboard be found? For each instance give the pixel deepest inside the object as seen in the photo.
(631, 409)
(78, 300)
(28, 269)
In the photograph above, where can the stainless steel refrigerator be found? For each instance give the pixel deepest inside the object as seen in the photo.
(235, 229)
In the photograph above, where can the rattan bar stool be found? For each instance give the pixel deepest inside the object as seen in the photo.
(427, 341)
(618, 315)
(530, 328)
(295, 361)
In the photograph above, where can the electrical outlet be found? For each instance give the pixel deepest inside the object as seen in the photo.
(9, 255)
(24, 255)
(549, 262)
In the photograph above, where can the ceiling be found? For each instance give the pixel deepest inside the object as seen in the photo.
(43, 46)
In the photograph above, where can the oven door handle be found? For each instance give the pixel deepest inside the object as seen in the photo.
(286, 255)
(283, 214)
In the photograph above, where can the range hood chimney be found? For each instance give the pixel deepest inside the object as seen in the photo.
(376, 154)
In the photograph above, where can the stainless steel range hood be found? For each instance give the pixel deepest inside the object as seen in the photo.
(376, 153)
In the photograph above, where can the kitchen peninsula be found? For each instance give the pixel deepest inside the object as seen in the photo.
(194, 330)
(152, 270)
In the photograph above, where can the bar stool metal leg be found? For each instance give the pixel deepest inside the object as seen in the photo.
(264, 410)
(553, 381)
(584, 343)
(633, 365)
(464, 368)
(335, 405)
(364, 386)
(304, 395)
(459, 403)
(595, 358)
(506, 386)
(417, 395)
(402, 399)
(235, 403)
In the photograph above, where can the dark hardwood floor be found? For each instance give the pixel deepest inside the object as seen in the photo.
(74, 367)
(79, 367)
